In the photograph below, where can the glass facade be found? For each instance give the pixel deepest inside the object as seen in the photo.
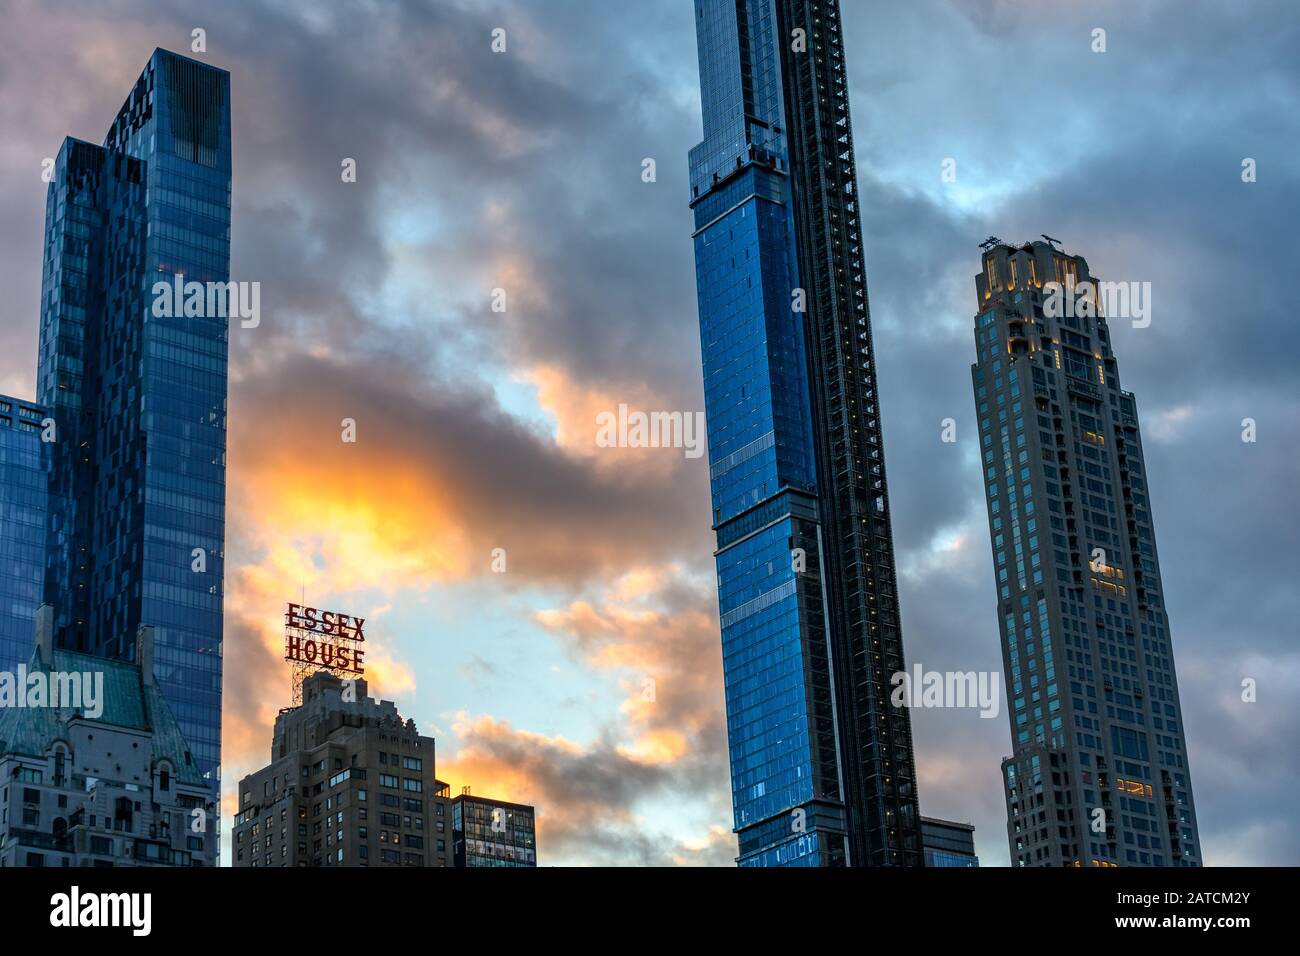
(948, 844)
(1099, 773)
(821, 765)
(489, 832)
(136, 531)
(24, 478)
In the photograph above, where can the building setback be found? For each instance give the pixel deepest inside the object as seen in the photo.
(24, 491)
(948, 844)
(487, 832)
(1098, 775)
(821, 764)
(117, 787)
(350, 783)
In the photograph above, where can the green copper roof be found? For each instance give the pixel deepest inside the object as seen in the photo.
(127, 702)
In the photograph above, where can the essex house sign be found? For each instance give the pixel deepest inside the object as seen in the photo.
(322, 640)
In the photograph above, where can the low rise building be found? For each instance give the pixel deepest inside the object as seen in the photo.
(94, 770)
(488, 832)
(350, 783)
(948, 844)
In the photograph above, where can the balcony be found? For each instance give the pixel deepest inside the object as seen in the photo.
(1084, 389)
(41, 840)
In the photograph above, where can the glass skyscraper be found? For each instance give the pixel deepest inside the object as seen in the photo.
(24, 479)
(137, 480)
(821, 764)
(1099, 774)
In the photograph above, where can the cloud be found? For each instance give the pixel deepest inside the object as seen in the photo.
(656, 629)
(584, 797)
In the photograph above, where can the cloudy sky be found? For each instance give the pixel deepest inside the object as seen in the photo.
(521, 171)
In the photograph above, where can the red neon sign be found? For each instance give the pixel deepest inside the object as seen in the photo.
(341, 654)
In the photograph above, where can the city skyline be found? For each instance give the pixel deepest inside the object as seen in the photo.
(476, 425)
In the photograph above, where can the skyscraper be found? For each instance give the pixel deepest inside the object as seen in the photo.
(821, 764)
(1099, 772)
(137, 486)
(24, 480)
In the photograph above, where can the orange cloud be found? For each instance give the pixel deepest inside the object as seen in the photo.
(432, 484)
(662, 629)
(585, 797)
(576, 408)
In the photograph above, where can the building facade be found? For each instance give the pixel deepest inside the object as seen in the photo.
(137, 481)
(108, 781)
(822, 770)
(24, 496)
(487, 832)
(948, 844)
(350, 783)
(1098, 775)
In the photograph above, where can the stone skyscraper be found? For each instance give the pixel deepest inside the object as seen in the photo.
(1099, 773)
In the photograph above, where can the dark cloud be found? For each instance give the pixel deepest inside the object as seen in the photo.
(448, 473)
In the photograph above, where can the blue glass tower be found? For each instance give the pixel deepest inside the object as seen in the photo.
(137, 486)
(24, 477)
(821, 764)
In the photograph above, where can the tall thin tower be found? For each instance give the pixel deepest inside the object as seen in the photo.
(1099, 774)
(138, 474)
(821, 764)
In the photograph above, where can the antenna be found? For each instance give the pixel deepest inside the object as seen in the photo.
(990, 242)
(1050, 241)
